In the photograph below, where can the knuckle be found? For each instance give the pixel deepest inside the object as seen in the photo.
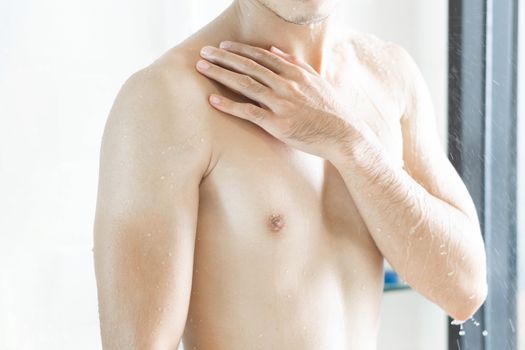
(251, 85)
(302, 75)
(252, 66)
(245, 81)
(254, 111)
(274, 61)
(248, 64)
(298, 75)
(256, 88)
(293, 88)
(259, 53)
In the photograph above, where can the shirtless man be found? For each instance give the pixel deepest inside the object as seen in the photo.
(262, 221)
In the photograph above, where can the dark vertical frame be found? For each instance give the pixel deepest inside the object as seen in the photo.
(466, 130)
(501, 176)
(483, 147)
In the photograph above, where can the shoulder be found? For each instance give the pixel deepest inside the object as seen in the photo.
(391, 63)
(168, 83)
(165, 93)
(378, 53)
(157, 109)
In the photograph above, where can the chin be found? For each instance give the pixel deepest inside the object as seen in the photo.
(301, 11)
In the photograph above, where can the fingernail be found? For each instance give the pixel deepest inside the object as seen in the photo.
(225, 44)
(206, 51)
(215, 99)
(203, 65)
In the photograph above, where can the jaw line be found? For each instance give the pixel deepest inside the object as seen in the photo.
(315, 21)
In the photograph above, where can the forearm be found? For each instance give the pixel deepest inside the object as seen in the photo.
(430, 243)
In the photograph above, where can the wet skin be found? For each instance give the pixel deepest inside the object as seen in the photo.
(261, 222)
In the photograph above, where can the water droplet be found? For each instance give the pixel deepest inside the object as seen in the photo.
(450, 273)
(485, 333)
(456, 322)
(461, 330)
(202, 139)
(162, 177)
(512, 326)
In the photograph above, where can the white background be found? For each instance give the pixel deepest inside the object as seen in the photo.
(61, 65)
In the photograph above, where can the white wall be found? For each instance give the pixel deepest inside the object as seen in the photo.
(61, 65)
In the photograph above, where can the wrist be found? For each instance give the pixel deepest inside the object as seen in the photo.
(348, 147)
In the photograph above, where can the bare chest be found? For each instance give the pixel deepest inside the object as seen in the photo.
(277, 187)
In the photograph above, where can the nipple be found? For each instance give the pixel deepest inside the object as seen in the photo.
(276, 222)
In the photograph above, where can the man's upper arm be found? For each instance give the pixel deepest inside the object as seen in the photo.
(154, 154)
(424, 156)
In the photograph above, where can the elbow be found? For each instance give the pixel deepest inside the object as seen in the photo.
(470, 291)
(466, 304)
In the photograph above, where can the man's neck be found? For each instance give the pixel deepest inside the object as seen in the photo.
(254, 24)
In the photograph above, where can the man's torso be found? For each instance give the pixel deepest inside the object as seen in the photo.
(283, 259)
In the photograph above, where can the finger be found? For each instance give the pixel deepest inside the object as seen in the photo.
(243, 65)
(241, 83)
(293, 59)
(248, 111)
(264, 57)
